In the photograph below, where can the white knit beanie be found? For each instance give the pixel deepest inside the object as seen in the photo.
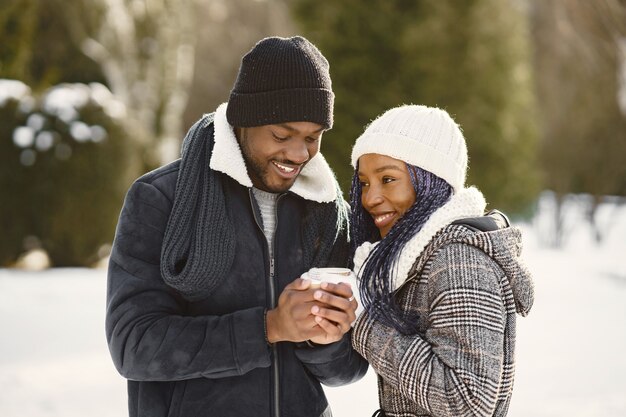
(426, 137)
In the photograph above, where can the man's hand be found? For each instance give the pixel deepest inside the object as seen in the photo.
(336, 312)
(292, 320)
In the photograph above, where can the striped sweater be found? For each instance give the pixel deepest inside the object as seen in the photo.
(466, 287)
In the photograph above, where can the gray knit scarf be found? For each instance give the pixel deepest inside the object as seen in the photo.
(199, 243)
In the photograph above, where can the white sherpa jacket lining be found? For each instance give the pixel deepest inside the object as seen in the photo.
(316, 181)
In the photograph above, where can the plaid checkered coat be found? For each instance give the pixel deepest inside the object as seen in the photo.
(467, 287)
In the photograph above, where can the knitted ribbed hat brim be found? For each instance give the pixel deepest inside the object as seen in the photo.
(281, 106)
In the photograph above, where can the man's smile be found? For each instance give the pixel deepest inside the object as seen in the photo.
(285, 170)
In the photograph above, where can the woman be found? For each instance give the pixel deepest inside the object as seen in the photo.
(440, 296)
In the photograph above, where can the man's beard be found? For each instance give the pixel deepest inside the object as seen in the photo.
(259, 170)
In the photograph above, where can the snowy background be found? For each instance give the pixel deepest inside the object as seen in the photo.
(571, 355)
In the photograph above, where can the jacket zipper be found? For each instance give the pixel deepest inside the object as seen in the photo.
(272, 286)
(273, 300)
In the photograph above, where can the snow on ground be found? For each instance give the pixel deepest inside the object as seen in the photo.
(570, 353)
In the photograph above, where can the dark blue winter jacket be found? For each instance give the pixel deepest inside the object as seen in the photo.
(210, 357)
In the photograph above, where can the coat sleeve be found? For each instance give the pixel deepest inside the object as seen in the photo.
(334, 364)
(453, 368)
(149, 336)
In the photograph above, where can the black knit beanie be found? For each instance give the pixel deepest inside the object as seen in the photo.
(282, 80)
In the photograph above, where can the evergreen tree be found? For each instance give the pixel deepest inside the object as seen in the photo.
(469, 58)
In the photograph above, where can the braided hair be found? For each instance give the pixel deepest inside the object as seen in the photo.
(431, 192)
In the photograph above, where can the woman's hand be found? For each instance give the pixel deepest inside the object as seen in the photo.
(335, 311)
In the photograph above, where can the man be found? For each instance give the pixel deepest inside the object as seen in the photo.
(206, 315)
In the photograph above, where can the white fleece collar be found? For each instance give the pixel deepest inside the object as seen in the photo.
(468, 202)
(316, 182)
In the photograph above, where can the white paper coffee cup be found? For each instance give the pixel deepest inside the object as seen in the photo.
(334, 275)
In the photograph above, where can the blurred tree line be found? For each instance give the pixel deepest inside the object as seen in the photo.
(533, 83)
(470, 58)
(538, 86)
(580, 67)
(66, 158)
